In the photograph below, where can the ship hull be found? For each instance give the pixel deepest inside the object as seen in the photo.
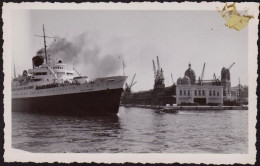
(104, 102)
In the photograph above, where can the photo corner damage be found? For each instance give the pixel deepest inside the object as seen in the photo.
(234, 19)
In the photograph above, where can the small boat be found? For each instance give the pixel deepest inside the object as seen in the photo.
(169, 110)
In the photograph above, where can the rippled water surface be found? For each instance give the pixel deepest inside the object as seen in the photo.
(134, 130)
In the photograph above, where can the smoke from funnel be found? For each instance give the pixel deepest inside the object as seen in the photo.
(85, 55)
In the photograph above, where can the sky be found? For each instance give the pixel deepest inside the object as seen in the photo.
(96, 42)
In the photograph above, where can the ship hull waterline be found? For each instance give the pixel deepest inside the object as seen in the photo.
(104, 102)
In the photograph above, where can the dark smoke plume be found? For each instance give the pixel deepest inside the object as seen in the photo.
(85, 55)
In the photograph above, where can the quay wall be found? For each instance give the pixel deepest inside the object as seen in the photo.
(199, 108)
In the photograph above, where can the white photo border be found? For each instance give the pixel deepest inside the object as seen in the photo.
(13, 155)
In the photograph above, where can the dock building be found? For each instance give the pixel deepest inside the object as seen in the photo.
(190, 91)
(187, 91)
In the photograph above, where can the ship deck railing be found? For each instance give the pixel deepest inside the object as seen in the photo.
(54, 85)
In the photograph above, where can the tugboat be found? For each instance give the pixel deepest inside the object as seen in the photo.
(52, 88)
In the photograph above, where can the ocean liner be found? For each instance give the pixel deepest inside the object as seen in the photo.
(52, 88)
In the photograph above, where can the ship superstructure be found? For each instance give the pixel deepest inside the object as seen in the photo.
(51, 87)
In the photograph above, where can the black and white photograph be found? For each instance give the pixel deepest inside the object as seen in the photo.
(166, 80)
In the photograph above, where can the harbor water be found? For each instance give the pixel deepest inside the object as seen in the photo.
(133, 130)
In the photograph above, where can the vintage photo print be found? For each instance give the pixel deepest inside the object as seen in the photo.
(137, 82)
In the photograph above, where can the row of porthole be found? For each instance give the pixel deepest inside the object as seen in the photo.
(43, 91)
(23, 93)
(57, 67)
(91, 85)
(39, 92)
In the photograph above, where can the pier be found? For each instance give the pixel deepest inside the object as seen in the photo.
(186, 108)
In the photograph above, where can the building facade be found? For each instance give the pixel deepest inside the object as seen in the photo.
(201, 94)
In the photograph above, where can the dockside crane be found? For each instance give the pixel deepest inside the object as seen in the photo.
(231, 66)
(158, 75)
(172, 78)
(214, 77)
(158, 64)
(202, 74)
(132, 83)
(225, 72)
(154, 70)
(217, 81)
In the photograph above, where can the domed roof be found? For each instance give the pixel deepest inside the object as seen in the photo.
(191, 74)
(225, 74)
(186, 80)
(223, 69)
(179, 81)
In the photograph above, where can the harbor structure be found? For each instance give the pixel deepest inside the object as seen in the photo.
(241, 93)
(159, 95)
(188, 91)
(202, 92)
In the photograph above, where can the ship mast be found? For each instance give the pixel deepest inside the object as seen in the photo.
(44, 39)
(123, 67)
(45, 46)
(14, 68)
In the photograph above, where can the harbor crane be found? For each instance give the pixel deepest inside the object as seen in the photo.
(157, 72)
(158, 64)
(231, 66)
(202, 74)
(217, 82)
(154, 70)
(225, 72)
(214, 77)
(158, 75)
(172, 78)
(132, 83)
